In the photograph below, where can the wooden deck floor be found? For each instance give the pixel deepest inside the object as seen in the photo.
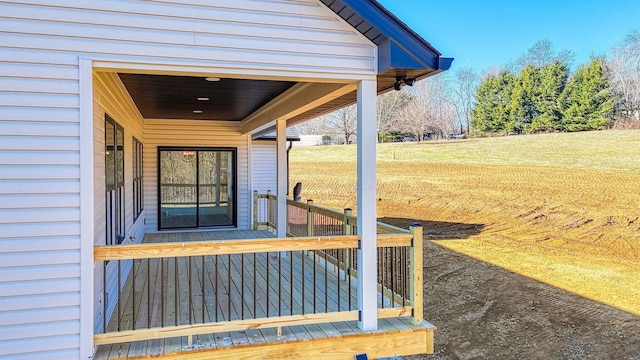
(220, 290)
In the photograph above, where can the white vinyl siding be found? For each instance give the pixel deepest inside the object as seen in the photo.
(193, 133)
(39, 210)
(285, 35)
(263, 166)
(42, 42)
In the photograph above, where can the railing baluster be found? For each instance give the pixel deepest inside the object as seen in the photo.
(216, 292)
(302, 264)
(291, 279)
(268, 286)
(326, 283)
(393, 277)
(403, 275)
(229, 286)
(204, 284)
(175, 290)
(163, 295)
(338, 261)
(279, 284)
(381, 266)
(192, 315)
(148, 293)
(315, 272)
(119, 294)
(349, 279)
(255, 294)
(242, 286)
(133, 298)
(104, 296)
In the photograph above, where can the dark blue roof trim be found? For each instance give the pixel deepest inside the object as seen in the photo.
(399, 47)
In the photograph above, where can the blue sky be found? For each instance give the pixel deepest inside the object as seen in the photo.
(484, 33)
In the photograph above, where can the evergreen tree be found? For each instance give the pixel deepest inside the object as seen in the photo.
(553, 81)
(525, 99)
(491, 112)
(587, 101)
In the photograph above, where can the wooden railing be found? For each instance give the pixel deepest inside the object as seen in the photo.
(264, 211)
(178, 289)
(399, 259)
(194, 288)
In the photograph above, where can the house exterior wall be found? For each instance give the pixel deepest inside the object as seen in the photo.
(43, 43)
(263, 168)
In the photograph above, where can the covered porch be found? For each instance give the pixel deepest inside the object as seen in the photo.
(304, 279)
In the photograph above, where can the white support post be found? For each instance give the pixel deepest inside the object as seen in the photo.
(367, 229)
(281, 145)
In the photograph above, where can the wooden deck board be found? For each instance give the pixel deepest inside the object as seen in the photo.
(216, 285)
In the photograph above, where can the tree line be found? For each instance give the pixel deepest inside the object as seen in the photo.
(537, 92)
(544, 99)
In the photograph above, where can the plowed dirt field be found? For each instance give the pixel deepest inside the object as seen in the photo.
(532, 244)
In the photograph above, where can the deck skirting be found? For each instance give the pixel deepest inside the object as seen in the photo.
(395, 337)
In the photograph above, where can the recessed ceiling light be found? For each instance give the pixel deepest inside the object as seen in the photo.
(203, 99)
(197, 111)
(212, 79)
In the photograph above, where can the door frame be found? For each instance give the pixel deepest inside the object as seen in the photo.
(234, 152)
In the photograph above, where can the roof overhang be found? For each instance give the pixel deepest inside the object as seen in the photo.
(402, 55)
(400, 49)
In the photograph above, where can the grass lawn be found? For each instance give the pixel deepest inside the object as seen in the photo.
(559, 208)
(596, 150)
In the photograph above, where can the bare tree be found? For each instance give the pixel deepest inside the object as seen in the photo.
(344, 122)
(387, 107)
(541, 53)
(317, 126)
(464, 93)
(623, 70)
(414, 117)
(428, 111)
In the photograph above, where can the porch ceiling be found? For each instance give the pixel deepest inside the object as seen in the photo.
(176, 97)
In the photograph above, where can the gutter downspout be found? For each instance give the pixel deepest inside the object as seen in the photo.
(288, 149)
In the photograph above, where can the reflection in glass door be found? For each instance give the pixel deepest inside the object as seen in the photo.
(197, 188)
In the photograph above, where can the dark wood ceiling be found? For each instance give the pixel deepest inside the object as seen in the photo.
(176, 97)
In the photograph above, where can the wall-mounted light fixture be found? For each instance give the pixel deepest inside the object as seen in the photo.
(401, 80)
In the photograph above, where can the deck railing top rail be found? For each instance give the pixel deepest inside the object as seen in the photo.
(222, 247)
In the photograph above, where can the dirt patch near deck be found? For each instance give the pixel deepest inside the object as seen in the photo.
(484, 311)
(521, 262)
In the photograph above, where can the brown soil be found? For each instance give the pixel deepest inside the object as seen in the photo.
(520, 262)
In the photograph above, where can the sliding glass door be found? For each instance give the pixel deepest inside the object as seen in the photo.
(196, 187)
